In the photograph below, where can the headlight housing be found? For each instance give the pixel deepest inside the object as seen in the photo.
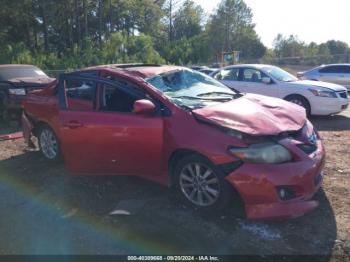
(234, 133)
(266, 153)
(17, 91)
(323, 93)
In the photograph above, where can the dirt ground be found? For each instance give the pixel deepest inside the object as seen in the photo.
(44, 210)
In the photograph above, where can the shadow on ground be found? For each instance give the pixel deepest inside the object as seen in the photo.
(331, 123)
(6, 128)
(46, 211)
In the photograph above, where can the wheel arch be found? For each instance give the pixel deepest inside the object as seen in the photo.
(176, 156)
(40, 123)
(301, 96)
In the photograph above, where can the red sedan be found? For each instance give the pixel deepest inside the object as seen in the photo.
(181, 128)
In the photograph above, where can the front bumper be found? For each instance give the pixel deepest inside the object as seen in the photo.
(329, 106)
(257, 184)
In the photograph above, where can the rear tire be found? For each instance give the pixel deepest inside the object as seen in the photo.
(200, 184)
(300, 101)
(49, 144)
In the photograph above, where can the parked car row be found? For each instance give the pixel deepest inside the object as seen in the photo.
(318, 98)
(216, 146)
(335, 73)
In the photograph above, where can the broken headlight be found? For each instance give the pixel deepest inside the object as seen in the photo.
(234, 133)
(266, 153)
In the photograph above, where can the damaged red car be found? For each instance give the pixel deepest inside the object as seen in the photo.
(181, 128)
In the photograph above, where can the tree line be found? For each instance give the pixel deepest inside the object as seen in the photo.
(291, 50)
(68, 34)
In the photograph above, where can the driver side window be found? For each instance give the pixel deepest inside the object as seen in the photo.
(252, 75)
(80, 94)
(114, 99)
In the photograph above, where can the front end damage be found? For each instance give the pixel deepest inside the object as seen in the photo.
(285, 190)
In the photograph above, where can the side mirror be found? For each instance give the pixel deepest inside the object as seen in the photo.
(266, 80)
(144, 107)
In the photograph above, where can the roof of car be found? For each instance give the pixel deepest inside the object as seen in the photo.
(334, 65)
(248, 65)
(138, 70)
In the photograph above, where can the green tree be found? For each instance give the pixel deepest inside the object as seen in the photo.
(188, 20)
(231, 28)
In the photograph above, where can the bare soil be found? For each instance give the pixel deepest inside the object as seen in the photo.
(44, 210)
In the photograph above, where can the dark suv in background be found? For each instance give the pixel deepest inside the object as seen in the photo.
(15, 83)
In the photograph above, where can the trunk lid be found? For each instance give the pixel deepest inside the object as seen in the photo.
(31, 81)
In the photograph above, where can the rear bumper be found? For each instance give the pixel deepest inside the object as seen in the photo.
(257, 186)
(14, 102)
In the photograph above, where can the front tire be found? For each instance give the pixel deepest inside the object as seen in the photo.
(200, 184)
(300, 101)
(49, 144)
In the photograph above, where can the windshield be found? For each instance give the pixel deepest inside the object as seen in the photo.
(191, 89)
(12, 72)
(280, 74)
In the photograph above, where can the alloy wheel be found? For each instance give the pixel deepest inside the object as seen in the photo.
(199, 184)
(49, 144)
(298, 102)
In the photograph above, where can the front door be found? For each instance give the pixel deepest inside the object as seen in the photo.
(101, 135)
(251, 82)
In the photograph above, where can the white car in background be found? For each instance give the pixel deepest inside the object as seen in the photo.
(334, 73)
(318, 98)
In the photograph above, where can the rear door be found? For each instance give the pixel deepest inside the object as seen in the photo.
(338, 74)
(101, 135)
(346, 74)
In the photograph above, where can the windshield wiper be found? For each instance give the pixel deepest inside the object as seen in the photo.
(202, 98)
(218, 93)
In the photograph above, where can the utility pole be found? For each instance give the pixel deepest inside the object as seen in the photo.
(86, 29)
(171, 21)
(100, 12)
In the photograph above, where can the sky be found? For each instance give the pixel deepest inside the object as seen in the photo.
(310, 20)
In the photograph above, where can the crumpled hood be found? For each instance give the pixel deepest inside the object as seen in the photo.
(255, 115)
(311, 83)
(30, 81)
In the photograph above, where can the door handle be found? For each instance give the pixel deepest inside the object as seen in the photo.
(73, 124)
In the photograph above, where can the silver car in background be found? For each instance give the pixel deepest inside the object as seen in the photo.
(334, 73)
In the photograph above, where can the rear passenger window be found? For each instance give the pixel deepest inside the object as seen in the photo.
(344, 69)
(80, 95)
(339, 69)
